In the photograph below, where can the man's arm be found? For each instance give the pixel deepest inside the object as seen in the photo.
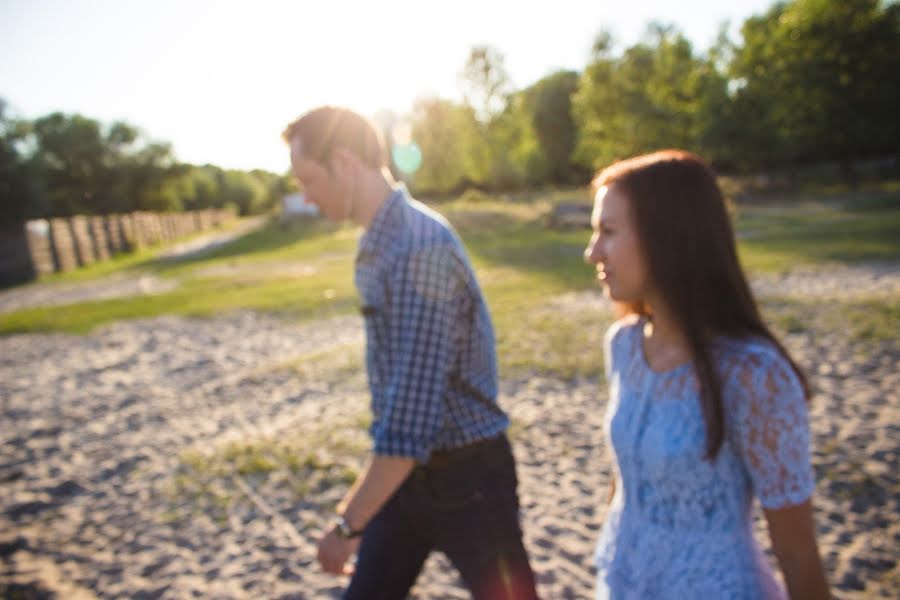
(380, 478)
(421, 319)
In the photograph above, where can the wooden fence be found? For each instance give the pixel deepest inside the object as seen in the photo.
(29, 250)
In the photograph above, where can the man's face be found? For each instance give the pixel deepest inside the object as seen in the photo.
(322, 186)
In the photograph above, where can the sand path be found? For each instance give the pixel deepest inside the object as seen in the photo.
(96, 430)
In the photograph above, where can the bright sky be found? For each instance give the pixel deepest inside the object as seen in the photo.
(220, 79)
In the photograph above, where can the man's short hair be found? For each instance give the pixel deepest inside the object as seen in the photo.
(323, 129)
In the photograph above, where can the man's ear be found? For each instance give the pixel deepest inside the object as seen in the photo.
(343, 162)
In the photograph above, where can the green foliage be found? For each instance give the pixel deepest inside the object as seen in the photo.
(19, 198)
(810, 81)
(244, 191)
(654, 96)
(813, 80)
(514, 150)
(485, 82)
(818, 81)
(548, 107)
(61, 165)
(452, 145)
(524, 141)
(498, 139)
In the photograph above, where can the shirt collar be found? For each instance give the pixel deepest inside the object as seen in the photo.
(378, 232)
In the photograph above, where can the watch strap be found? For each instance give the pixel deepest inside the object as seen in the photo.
(344, 530)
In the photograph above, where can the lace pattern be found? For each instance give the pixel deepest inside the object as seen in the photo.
(679, 525)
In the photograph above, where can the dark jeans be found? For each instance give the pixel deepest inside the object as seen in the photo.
(466, 508)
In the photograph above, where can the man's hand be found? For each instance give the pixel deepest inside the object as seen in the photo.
(379, 479)
(334, 551)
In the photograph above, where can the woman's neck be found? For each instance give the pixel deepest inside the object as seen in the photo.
(665, 344)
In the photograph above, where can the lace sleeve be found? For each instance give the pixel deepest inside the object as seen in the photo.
(771, 429)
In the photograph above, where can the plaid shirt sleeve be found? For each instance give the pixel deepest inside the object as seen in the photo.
(425, 289)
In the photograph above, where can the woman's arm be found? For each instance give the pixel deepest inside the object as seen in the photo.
(794, 542)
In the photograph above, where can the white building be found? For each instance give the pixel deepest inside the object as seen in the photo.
(295, 206)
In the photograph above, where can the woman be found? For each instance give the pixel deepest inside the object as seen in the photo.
(706, 409)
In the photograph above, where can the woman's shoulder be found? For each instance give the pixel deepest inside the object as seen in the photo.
(623, 328)
(757, 366)
(619, 342)
(748, 352)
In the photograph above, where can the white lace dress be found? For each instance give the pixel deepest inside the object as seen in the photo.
(680, 526)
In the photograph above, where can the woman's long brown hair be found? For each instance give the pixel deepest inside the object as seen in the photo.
(688, 244)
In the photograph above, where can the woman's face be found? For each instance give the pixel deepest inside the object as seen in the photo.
(614, 248)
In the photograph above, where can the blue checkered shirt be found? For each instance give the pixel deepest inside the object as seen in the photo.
(430, 352)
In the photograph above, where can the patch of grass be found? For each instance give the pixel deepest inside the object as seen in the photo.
(304, 464)
(330, 292)
(548, 334)
(324, 288)
(783, 312)
(334, 364)
(291, 242)
(866, 320)
(842, 228)
(873, 319)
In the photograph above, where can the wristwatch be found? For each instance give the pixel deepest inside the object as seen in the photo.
(343, 529)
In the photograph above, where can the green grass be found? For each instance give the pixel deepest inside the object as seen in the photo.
(820, 229)
(864, 320)
(243, 283)
(303, 465)
(305, 271)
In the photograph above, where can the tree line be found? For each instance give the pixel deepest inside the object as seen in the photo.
(810, 81)
(61, 165)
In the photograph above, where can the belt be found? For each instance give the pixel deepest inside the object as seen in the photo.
(440, 459)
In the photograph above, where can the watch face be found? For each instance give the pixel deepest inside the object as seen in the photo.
(343, 528)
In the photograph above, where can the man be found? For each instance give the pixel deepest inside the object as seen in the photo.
(441, 474)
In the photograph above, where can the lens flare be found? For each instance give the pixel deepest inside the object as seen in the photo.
(407, 157)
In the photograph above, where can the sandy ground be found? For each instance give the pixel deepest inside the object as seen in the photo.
(102, 493)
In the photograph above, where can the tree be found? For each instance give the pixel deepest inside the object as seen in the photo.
(82, 167)
(151, 179)
(820, 77)
(19, 198)
(244, 191)
(71, 158)
(453, 150)
(485, 82)
(202, 187)
(651, 97)
(548, 104)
